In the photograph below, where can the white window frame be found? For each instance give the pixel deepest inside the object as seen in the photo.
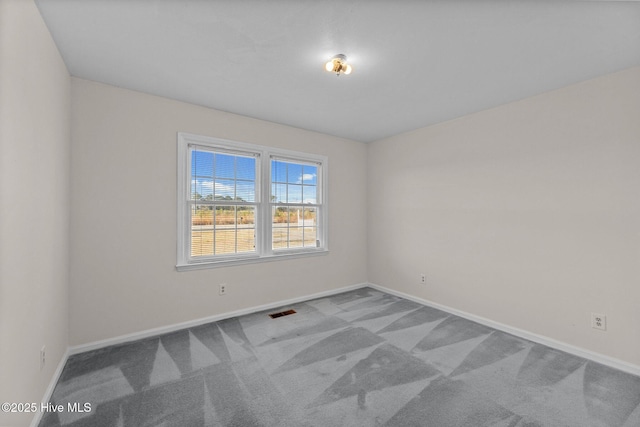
(264, 155)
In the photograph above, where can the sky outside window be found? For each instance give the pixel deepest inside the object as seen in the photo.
(216, 176)
(293, 182)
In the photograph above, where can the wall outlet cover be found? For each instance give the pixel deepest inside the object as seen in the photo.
(599, 321)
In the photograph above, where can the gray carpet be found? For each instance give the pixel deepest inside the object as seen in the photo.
(361, 358)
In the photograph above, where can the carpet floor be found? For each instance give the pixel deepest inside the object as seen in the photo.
(360, 358)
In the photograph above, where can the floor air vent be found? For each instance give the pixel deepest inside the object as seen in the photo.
(282, 313)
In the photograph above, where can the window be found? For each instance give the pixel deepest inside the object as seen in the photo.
(294, 204)
(222, 202)
(240, 203)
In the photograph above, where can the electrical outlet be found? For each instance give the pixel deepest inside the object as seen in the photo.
(43, 356)
(222, 290)
(423, 279)
(599, 321)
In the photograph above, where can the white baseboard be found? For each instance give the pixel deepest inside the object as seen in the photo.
(540, 339)
(197, 322)
(46, 398)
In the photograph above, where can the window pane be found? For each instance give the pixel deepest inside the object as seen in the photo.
(246, 168)
(309, 194)
(225, 230)
(225, 242)
(309, 174)
(201, 164)
(201, 215)
(280, 227)
(201, 230)
(309, 217)
(246, 240)
(294, 173)
(224, 166)
(246, 216)
(224, 189)
(246, 191)
(225, 215)
(294, 193)
(294, 214)
(294, 227)
(278, 193)
(278, 171)
(310, 236)
(201, 189)
(280, 237)
(222, 230)
(295, 237)
(217, 176)
(202, 242)
(301, 183)
(280, 216)
(246, 231)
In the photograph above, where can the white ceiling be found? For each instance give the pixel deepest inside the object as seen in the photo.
(415, 63)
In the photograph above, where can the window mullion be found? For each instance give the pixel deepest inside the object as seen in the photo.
(265, 199)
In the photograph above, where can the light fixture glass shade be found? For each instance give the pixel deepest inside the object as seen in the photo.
(338, 64)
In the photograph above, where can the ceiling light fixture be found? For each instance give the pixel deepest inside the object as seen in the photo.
(338, 64)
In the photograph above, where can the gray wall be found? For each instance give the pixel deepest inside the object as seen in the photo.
(34, 196)
(123, 222)
(527, 214)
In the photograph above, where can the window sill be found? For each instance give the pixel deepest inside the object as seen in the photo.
(251, 260)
